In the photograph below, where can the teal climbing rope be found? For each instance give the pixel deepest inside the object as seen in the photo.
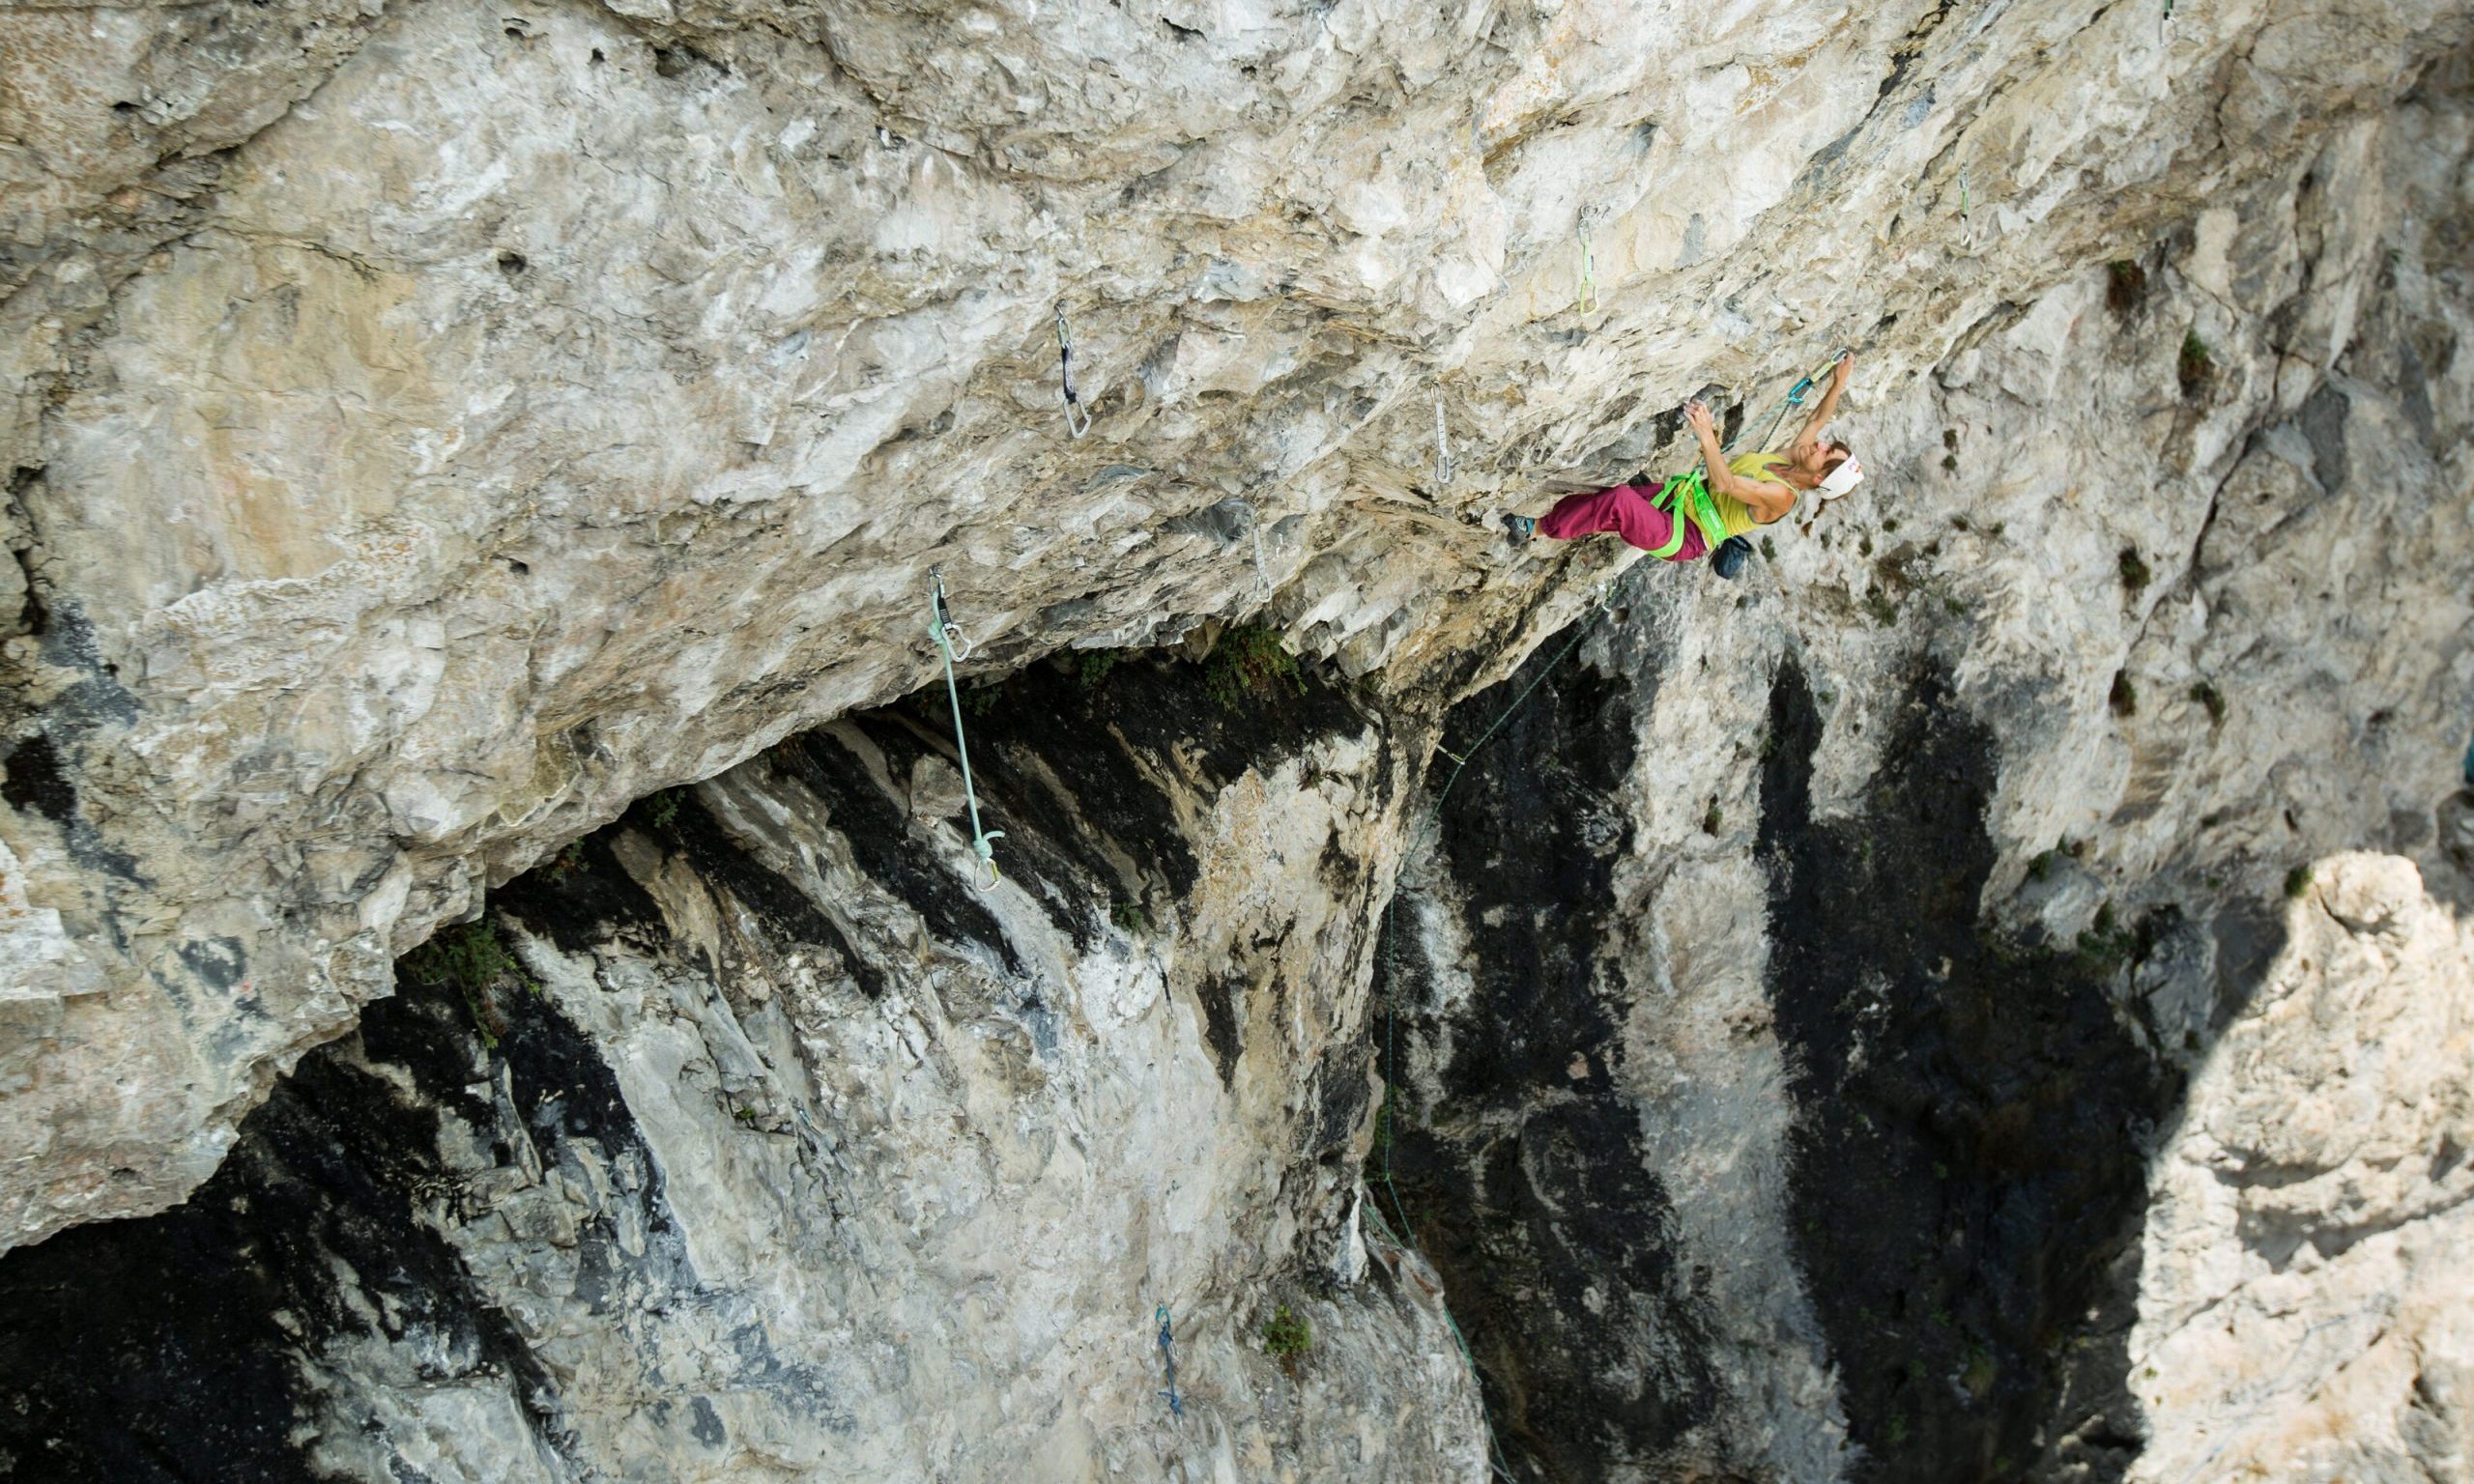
(1405, 1238)
(1495, 1462)
(955, 649)
(1599, 603)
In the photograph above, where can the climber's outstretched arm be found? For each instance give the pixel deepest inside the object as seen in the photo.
(1828, 407)
(1768, 501)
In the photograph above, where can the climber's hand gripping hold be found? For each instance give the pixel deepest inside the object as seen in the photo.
(1766, 498)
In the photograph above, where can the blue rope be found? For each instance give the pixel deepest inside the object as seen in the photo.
(1406, 1237)
(1598, 605)
(1169, 1359)
(940, 623)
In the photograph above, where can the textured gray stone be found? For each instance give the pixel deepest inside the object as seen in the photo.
(434, 428)
(443, 425)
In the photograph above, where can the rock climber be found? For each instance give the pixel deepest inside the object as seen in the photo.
(1715, 506)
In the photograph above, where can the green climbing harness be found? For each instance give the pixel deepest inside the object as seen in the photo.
(951, 643)
(1688, 494)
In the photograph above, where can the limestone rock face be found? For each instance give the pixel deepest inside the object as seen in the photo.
(2312, 1230)
(1983, 996)
(787, 1155)
(1813, 1015)
(435, 428)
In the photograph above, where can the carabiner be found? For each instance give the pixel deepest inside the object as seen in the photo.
(1065, 378)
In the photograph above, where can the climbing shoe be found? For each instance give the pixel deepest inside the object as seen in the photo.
(1729, 558)
(1519, 529)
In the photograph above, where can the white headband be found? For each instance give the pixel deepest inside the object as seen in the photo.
(1846, 476)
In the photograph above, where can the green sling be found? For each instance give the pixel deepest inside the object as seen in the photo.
(1689, 492)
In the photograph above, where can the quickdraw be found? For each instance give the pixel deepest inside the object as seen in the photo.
(1065, 375)
(1169, 1359)
(1589, 266)
(1262, 573)
(1797, 393)
(951, 643)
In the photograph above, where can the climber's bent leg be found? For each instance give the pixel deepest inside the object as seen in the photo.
(1626, 511)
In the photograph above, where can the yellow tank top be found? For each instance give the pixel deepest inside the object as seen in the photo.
(1734, 513)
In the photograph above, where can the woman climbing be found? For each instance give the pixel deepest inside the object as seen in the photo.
(1714, 506)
